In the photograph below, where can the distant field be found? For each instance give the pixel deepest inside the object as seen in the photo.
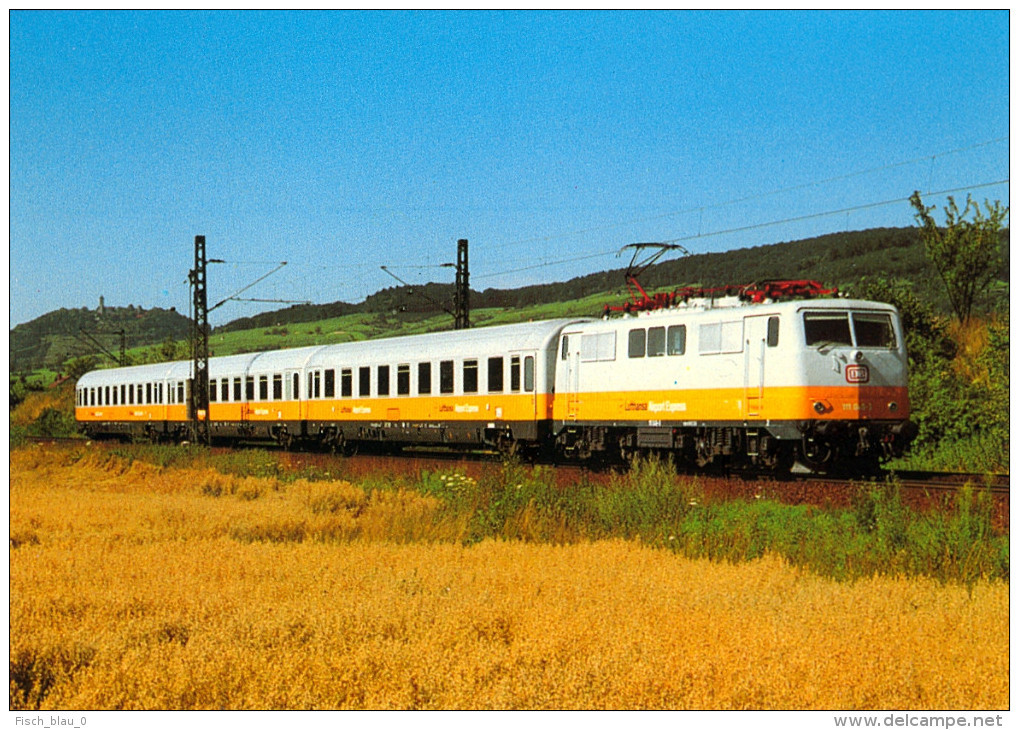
(355, 327)
(135, 586)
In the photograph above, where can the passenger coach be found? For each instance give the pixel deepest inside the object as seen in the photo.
(490, 385)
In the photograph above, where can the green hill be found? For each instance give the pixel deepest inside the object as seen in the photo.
(48, 341)
(838, 259)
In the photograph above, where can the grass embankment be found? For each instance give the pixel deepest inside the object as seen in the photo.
(175, 585)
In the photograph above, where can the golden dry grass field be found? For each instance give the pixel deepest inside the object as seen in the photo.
(135, 586)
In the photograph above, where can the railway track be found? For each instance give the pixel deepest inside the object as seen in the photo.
(923, 491)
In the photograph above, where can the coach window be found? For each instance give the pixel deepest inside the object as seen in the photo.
(403, 379)
(148, 393)
(277, 386)
(637, 340)
(315, 384)
(364, 385)
(470, 376)
(677, 339)
(213, 391)
(566, 347)
(224, 389)
(515, 374)
(330, 384)
(297, 386)
(106, 396)
(249, 388)
(237, 390)
(446, 376)
(424, 378)
(529, 374)
(383, 381)
(263, 387)
(772, 331)
(656, 342)
(495, 366)
(130, 396)
(346, 382)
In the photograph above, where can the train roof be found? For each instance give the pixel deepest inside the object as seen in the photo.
(451, 343)
(733, 305)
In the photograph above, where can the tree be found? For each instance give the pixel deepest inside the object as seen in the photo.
(967, 254)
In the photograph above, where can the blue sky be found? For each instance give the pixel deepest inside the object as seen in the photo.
(342, 141)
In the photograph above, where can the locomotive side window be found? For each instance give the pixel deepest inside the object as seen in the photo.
(424, 378)
(656, 342)
(403, 379)
(719, 337)
(600, 347)
(470, 376)
(529, 374)
(637, 341)
(677, 339)
(330, 384)
(364, 385)
(827, 328)
(446, 376)
(566, 347)
(495, 365)
(873, 329)
(772, 331)
(346, 383)
(515, 374)
(383, 380)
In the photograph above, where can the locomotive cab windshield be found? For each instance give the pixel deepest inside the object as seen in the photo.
(849, 329)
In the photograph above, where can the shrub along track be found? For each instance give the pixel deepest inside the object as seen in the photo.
(922, 491)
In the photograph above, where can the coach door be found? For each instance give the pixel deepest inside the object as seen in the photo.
(292, 393)
(522, 386)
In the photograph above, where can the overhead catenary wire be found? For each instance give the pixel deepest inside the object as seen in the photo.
(746, 228)
(761, 196)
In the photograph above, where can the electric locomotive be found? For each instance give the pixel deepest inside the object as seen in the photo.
(725, 380)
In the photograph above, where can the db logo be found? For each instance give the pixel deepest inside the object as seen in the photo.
(857, 374)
